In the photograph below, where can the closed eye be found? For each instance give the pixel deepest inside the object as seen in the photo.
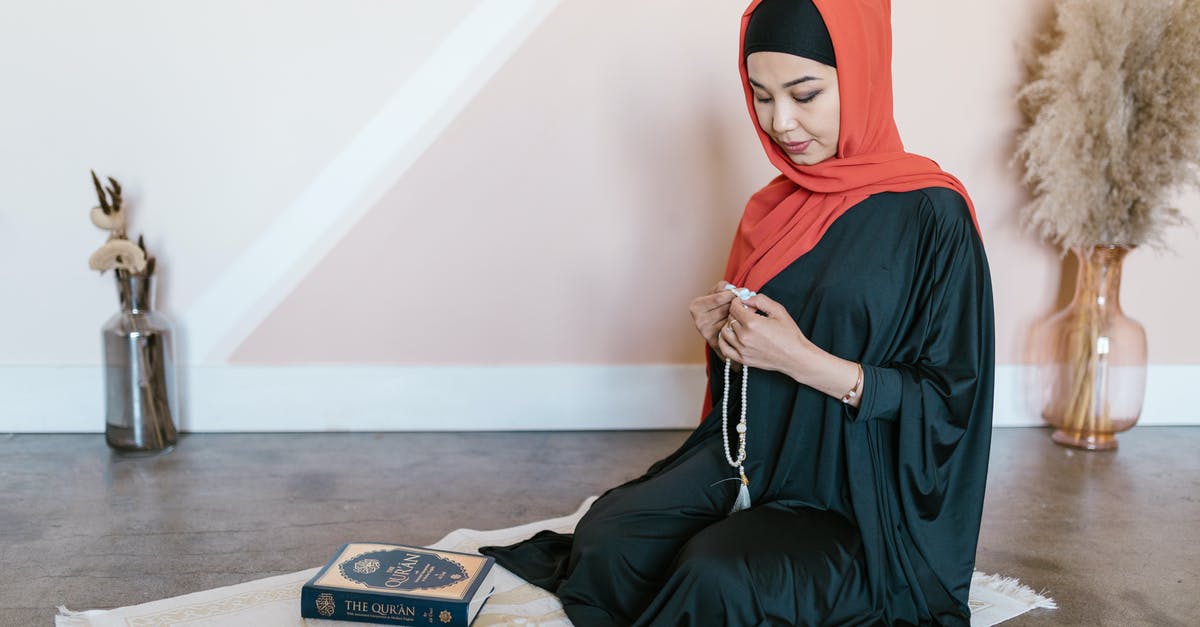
(808, 98)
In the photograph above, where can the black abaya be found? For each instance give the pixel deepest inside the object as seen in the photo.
(861, 516)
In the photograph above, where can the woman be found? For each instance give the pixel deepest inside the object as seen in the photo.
(867, 359)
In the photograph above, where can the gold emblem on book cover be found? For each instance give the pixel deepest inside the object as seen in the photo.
(325, 604)
(445, 616)
(366, 567)
(443, 575)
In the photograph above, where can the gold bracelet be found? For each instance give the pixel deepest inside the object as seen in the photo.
(853, 393)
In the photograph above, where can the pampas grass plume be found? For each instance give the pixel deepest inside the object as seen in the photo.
(1113, 121)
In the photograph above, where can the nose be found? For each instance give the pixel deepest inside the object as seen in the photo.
(783, 119)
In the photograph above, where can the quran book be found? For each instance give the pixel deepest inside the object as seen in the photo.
(399, 585)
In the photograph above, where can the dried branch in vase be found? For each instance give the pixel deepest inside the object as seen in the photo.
(117, 253)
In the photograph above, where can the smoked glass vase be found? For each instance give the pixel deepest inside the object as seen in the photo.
(1092, 358)
(139, 372)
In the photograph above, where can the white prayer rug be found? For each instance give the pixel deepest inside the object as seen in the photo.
(275, 601)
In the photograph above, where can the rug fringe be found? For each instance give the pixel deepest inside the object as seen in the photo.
(66, 618)
(1012, 587)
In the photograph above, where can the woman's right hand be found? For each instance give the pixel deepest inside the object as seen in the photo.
(711, 312)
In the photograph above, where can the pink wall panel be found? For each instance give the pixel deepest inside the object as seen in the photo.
(586, 195)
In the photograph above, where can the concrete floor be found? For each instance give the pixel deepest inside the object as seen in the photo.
(1113, 537)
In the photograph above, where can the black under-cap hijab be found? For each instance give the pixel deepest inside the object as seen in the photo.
(791, 26)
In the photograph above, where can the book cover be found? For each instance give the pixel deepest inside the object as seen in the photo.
(400, 585)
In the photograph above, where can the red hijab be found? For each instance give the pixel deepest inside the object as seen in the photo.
(786, 219)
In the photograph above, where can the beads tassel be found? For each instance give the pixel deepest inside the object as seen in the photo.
(743, 497)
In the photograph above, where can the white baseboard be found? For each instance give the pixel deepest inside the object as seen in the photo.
(375, 398)
(51, 399)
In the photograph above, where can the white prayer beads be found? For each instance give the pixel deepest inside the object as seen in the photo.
(741, 425)
(743, 498)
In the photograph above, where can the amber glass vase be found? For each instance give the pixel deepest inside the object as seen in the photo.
(1092, 361)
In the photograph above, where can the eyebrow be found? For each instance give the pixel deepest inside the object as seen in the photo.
(803, 79)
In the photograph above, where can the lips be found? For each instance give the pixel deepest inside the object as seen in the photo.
(795, 148)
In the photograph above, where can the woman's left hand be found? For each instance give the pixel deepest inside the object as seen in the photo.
(770, 342)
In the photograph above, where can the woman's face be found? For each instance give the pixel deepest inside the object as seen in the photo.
(796, 100)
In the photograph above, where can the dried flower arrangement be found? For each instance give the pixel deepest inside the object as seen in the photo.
(1112, 132)
(118, 253)
(1113, 121)
(139, 371)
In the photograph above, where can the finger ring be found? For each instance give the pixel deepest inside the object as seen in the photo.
(729, 327)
